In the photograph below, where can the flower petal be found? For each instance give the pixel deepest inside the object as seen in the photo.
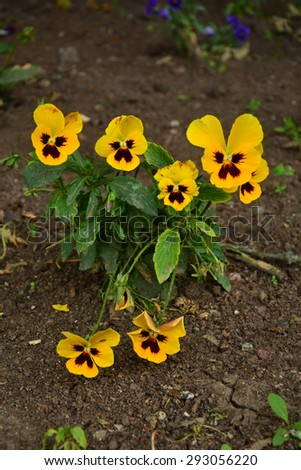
(178, 171)
(246, 132)
(147, 348)
(113, 125)
(87, 368)
(104, 356)
(128, 125)
(206, 130)
(127, 162)
(50, 116)
(177, 200)
(190, 187)
(144, 320)
(105, 145)
(176, 327)
(74, 122)
(72, 346)
(137, 142)
(249, 192)
(109, 337)
(261, 173)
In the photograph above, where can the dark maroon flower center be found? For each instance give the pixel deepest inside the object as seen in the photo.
(52, 149)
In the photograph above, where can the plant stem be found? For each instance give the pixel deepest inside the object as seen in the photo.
(205, 208)
(139, 254)
(103, 307)
(171, 284)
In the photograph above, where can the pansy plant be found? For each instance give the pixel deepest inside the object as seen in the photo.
(144, 233)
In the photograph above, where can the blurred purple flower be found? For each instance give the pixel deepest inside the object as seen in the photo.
(241, 33)
(209, 31)
(232, 21)
(164, 13)
(150, 6)
(175, 4)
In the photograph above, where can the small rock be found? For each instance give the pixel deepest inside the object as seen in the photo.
(247, 347)
(236, 312)
(100, 434)
(161, 415)
(174, 123)
(186, 395)
(263, 354)
(119, 427)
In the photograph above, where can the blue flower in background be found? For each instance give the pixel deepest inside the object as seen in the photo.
(175, 4)
(209, 31)
(241, 33)
(164, 13)
(150, 6)
(232, 21)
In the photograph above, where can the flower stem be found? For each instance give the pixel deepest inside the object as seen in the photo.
(171, 284)
(104, 304)
(205, 208)
(138, 256)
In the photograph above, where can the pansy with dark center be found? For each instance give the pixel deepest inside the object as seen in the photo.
(55, 137)
(85, 356)
(153, 342)
(177, 184)
(229, 164)
(122, 143)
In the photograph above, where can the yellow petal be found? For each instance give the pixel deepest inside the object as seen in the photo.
(130, 124)
(123, 164)
(139, 143)
(175, 327)
(69, 347)
(113, 125)
(109, 337)
(146, 352)
(50, 116)
(61, 308)
(104, 357)
(170, 345)
(206, 130)
(178, 171)
(191, 187)
(144, 320)
(177, 202)
(74, 122)
(105, 145)
(246, 132)
(249, 192)
(261, 173)
(82, 369)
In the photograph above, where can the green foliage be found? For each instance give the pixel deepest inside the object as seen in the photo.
(283, 434)
(289, 128)
(167, 252)
(283, 170)
(11, 75)
(243, 8)
(226, 447)
(253, 105)
(65, 438)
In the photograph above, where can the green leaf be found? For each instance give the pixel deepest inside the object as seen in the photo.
(17, 73)
(79, 436)
(5, 48)
(133, 192)
(278, 405)
(37, 175)
(226, 447)
(62, 209)
(92, 203)
(205, 228)
(66, 249)
(86, 234)
(281, 435)
(87, 258)
(208, 192)
(166, 256)
(74, 189)
(218, 274)
(157, 156)
(108, 252)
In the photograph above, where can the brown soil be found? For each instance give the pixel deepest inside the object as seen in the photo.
(239, 346)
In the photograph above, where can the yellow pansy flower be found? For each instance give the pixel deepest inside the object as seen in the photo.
(153, 342)
(55, 137)
(122, 143)
(85, 356)
(177, 184)
(229, 164)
